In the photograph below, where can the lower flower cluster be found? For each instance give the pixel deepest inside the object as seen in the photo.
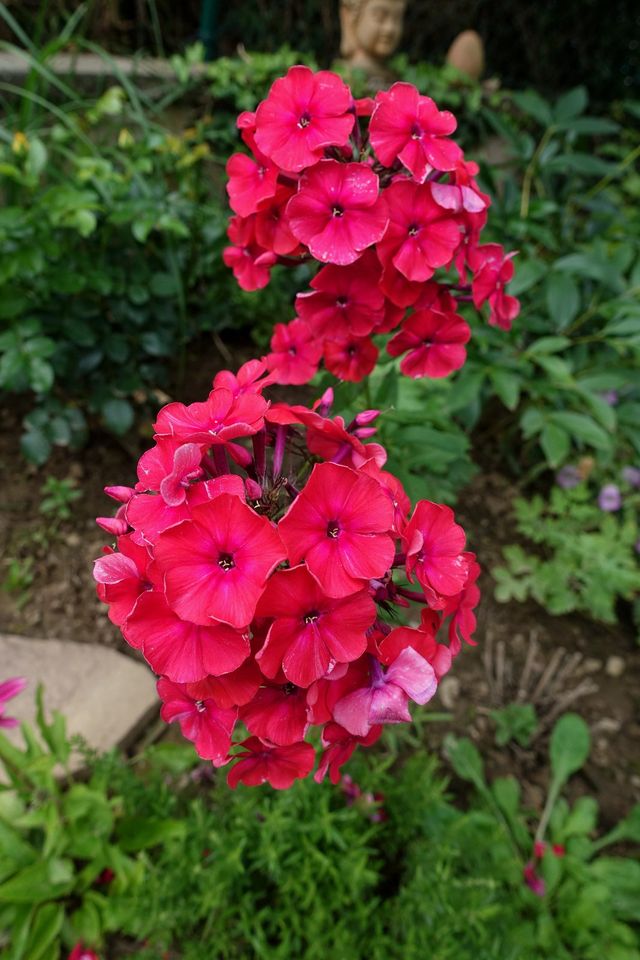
(261, 563)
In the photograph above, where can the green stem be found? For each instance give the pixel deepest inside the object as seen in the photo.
(530, 172)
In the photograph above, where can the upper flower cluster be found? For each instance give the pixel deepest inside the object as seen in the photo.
(259, 560)
(379, 195)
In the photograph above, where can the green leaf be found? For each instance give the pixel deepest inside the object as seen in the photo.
(563, 298)
(465, 760)
(555, 443)
(41, 375)
(528, 273)
(38, 883)
(507, 386)
(137, 833)
(582, 163)
(533, 104)
(44, 930)
(35, 446)
(548, 345)
(569, 747)
(582, 820)
(583, 428)
(163, 285)
(118, 415)
(571, 104)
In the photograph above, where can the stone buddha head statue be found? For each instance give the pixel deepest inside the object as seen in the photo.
(371, 32)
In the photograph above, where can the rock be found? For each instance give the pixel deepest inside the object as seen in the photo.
(614, 666)
(466, 54)
(105, 696)
(449, 691)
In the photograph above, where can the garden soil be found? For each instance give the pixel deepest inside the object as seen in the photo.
(558, 663)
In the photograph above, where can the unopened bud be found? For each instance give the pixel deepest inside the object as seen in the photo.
(254, 490)
(112, 525)
(121, 494)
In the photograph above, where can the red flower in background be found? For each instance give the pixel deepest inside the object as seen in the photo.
(295, 353)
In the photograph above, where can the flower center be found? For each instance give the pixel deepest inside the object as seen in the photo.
(427, 343)
(200, 707)
(292, 352)
(416, 132)
(337, 211)
(342, 301)
(413, 229)
(304, 120)
(225, 560)
(333, 529)
(289, 688)
(352, 351)
(311, 617)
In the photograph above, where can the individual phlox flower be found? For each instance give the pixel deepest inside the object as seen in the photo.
(493, 269)
(250, 262)
(338, 211)
(350, 358)
(409, 127)
(338, 745)
(344, 299)
(277, 714)
(179, 649)
(122, 577)
(215, 565)
(310, 631)
(201, 720)
(251, 181)
(303, 113)
(295, 352)
(385, 698)
(278, 766)
(421, 235)
(433, 544)
(339, 524)
(434, 344)
(221, 417)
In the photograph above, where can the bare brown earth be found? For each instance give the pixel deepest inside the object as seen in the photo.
(567, 656)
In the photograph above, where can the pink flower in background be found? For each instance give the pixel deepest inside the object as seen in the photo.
(421, 235)
(340, 526)
(249, 261)
(8, 690)
(434, 344)
(338, 211)
(410, 128)
(303, 113)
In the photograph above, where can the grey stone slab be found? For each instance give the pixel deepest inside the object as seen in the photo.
(105, 696)
(91, 66)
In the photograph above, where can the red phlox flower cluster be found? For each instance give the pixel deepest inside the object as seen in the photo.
(377, 193)
(260, 562)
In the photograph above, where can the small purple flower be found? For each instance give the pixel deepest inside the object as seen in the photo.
(568, 477)
(631, 475)
(637, 546)
(8, 690)
(610, 397)
(610, 498)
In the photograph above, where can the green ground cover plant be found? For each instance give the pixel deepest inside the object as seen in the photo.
(150, 854)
